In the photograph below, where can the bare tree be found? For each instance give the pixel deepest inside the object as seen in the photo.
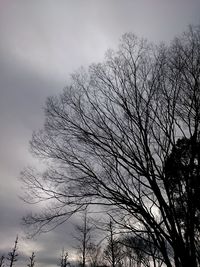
(2, 258)
(84, 239)
(12, 256)
(95, 255)
(32, 260)
(113, 253)
(64, 262)
(108, 139)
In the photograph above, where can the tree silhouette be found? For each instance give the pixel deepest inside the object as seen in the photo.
(32, 260)
(111, 138)
(64, 262)
(2, 258)
(83, 237)
(12, 256)
(140, 250)
(182, 176)
(113, 253)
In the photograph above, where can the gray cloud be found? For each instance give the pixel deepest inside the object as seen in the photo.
(42, 42)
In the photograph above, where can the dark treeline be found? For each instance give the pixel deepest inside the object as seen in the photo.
(124, 136)
(113, 250)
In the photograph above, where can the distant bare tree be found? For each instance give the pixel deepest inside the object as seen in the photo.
(2, 258)
(94, 255)
(83, 237)
(140, 251)
(12, 256)
(64, 262)
(113, 253)
(109, 139)
(32, 260)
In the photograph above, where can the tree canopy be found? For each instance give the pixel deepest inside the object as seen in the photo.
(124, 134)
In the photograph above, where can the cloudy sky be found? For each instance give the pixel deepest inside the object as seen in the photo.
(41, 43)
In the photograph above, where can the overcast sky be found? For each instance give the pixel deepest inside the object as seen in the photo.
(41, 43)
